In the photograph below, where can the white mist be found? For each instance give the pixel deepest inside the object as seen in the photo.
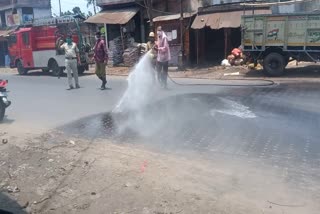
(141, 86)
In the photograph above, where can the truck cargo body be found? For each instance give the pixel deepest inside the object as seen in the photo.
(276, 39)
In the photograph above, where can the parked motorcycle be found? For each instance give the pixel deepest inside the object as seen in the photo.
(4, 102)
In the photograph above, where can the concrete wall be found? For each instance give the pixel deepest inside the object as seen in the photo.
(299, 7)
(174, 50)
(41, 12)
(214, 2)
(312, 6)
(112, 2)
(37, 13)
(290, 8)
(287, 8)
(195, 4)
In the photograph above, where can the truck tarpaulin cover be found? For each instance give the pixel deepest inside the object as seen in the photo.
(223, 20)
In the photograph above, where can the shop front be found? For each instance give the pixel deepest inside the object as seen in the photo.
(170, 24)
(218, 31)
(122, 28)
(4, 43)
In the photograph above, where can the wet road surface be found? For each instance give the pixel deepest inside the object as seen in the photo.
(268, 127)
(275, 126)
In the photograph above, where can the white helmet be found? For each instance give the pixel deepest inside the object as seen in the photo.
(151, 34)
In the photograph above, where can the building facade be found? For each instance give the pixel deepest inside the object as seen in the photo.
(284, 6)
(15, 13)
(204, 42)
(19, 12)
(139, 17)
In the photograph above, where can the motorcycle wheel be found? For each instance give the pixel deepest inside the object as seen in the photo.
(2, 111)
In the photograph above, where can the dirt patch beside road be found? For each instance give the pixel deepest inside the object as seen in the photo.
(304, 71)
(53, 174)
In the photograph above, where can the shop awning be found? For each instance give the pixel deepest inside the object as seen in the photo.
(223, 20)
(120, 16)
(7, 32)
(172, 17)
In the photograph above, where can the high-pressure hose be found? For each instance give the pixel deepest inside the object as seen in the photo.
(267, 83)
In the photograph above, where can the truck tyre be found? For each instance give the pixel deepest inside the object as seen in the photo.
(45, 70)
(287, 60)
(56, 70)
(21, 69)
(81, 69)
(274, 65)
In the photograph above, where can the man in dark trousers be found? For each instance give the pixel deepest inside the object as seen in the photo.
(163, 57)
(101, 59)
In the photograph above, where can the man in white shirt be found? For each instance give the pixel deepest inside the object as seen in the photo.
(72, 58)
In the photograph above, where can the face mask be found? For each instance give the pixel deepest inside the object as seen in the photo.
(69, 41)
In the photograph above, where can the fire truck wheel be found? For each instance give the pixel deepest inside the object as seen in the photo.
(21, 69)
(56, 70)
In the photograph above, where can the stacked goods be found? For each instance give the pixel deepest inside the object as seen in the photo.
(110, 59)
(115, 51)
(116, 54)
(131, 56)
(236, 57)
(129, 42)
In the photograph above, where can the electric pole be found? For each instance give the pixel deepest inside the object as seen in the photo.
(94, 6)
(60, 7)
(181, 36)
(150, 13)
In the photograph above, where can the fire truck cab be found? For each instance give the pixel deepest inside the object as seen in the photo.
(37, 47)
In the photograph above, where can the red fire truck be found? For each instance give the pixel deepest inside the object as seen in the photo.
(36, 46)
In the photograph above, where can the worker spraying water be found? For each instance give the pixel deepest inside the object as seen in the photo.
(130, 113)
(163, 57)
(140, 86)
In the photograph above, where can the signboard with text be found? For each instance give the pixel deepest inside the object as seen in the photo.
(13, 20)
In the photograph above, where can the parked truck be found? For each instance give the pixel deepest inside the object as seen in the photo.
(277, 39)
(36, 46)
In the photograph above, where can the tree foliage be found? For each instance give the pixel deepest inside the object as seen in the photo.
(75, 11)
(93, 3)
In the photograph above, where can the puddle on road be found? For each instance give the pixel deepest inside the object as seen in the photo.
(206, 123)
(235, 109)
(174, 120)
(186, 123)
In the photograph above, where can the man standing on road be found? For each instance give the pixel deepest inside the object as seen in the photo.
(151, 46)
(163, 57)
(101, 59)
(153, 54)
(71, 59)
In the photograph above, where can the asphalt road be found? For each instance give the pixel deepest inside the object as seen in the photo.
(41, 102)
(271, 126)
(279, 123)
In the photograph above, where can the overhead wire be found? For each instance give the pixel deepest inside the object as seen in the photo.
(267, 83)
(160, 11)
